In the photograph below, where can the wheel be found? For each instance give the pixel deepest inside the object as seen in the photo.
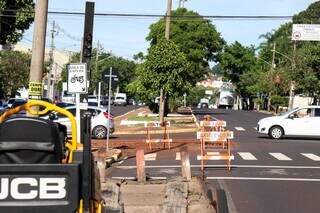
(276, 132)
(99, 132)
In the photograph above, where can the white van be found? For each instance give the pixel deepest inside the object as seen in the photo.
(120, 99)
(68, 98)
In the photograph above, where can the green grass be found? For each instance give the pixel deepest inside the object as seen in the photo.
(140, 118)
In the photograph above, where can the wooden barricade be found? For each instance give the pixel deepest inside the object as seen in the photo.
(157, 126)
(215, 142)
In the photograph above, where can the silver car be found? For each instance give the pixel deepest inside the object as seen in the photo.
(99, 122)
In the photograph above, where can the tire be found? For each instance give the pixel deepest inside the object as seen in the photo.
(99, 132)
(276, 132)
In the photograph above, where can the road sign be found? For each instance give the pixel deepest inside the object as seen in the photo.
(106, 75)
(77, 78)
(35, 90)
(306, 32)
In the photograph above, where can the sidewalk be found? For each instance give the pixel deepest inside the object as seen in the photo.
(133, 123)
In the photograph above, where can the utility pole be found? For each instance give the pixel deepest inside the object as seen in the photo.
(272, 67)
(50, 81)
(38, 49)
(291, 92)
(167, 36)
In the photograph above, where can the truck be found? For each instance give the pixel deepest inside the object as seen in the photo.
(225, 100)
(120, 99)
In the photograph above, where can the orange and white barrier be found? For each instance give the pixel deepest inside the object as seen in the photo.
(156, 125)
(215, 142)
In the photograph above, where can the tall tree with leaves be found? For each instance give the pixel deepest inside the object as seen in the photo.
(195, 36)
(14, 71)
(165, 67)
(240, 66)
(15, 17)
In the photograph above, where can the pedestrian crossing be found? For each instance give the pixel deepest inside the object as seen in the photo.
(246, 156)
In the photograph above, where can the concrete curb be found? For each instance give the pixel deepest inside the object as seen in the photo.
(114, 157)
(143, 132)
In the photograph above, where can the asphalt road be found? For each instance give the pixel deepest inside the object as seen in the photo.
(120, 110)
(266, 176)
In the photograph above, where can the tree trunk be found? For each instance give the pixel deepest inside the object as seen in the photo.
(269, 102)
(161, 107)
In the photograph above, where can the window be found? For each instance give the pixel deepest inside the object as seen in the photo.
(303, 113)
(317, 112)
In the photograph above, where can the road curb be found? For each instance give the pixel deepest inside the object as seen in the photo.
(142, 132)
(113, 158)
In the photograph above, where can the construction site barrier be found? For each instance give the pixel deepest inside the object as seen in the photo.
(215, 142)
(165, 132)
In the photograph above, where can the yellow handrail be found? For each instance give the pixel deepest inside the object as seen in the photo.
(48, 107)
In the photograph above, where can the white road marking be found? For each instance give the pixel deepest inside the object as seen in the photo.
(240, 128)
(215, 157)
(178, 157)
(247, 156)
(280, 156)
(133, 178)
(150, 157)
(262, 178)
(223, 165)
(255, 128)
(311, 156)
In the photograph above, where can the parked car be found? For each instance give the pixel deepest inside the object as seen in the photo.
(302, 121)
(64, 104)
(92, 98)
(99, 122)
(120, 99)
(16, 101)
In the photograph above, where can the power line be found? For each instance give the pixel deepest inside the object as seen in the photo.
(191, 17)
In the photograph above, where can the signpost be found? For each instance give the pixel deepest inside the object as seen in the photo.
(77, 84)
(111, 76)
(306, 32)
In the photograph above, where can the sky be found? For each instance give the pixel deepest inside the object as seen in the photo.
(126, 36)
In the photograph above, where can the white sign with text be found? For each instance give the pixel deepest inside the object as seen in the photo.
(77, 78)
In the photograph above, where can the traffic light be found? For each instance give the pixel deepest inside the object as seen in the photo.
(87, 45)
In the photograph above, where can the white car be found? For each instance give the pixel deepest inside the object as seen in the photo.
(99, 121)
(302, 121)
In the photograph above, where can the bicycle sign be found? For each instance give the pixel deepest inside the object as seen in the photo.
(77, 78)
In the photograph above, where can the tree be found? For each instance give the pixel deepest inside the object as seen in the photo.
(14, 71)
(306, 71)
(196, 37)
(165, 67)
(17, 15)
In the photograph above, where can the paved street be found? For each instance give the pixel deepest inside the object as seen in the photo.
(266, 176)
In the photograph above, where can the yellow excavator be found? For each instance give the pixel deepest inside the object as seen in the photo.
(41, 170)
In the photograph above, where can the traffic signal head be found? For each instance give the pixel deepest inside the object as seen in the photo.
(87, 45)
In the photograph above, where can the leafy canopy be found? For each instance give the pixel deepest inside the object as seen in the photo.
(196, 37)
(18, 15)
(165, 67)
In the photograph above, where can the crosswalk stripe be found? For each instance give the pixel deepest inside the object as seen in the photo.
(240, 128)
(311, 156)
(178, 157)
(247, 156)
(150, 157)
(280, 156)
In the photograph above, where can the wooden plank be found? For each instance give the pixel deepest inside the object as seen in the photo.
(141, 171)
(185, 163)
